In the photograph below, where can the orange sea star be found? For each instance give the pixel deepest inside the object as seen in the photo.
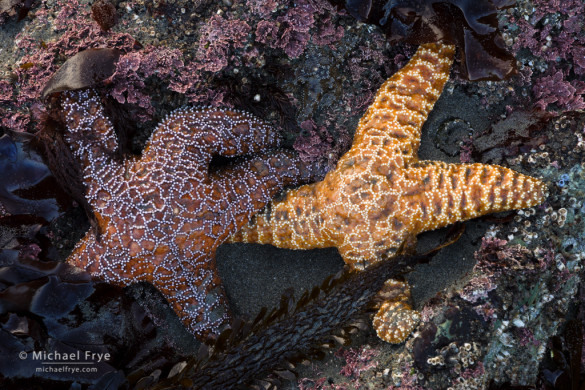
(380, 196)
(162, 216)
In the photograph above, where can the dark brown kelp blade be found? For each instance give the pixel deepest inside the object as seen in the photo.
(83, 70)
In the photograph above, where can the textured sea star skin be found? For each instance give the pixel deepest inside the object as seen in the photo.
(380, 196)
(162, 216)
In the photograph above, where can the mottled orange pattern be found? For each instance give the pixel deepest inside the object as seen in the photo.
(162, 216)
(380, 196)
(395, 318)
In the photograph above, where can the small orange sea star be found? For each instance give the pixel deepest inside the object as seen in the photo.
(162, 216)
(381, 195)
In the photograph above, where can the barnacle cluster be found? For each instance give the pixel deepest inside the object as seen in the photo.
(457, 356)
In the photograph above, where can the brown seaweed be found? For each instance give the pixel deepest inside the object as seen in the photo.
(26, 184)
(54, 308)
(472, 25)
(85, 69)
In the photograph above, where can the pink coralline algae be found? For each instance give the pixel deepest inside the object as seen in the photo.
(13, 120)
(223, 42)
(262, 7)
(466, 150)
(555, 89)
(494, 250)
(79, 32)
(357, 360)
(76, 32)
(291, 31)
(6, 91)
(290, 37)
(526, 337)
(216, 38)
(465, 381)
(327, 33)
(477, 288)
(168, 65)
(560, 42)
(544, 7)
(134, 68)
(549, 41)
(493, 256)
(317, 143)
(408, 379)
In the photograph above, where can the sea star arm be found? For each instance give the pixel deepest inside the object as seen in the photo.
(257, 179)
(194, 291)
(395, 319)
(207, 132)
(392, 124)
(93, 141)
(162, 216)
(293, 222)
(437, 194)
